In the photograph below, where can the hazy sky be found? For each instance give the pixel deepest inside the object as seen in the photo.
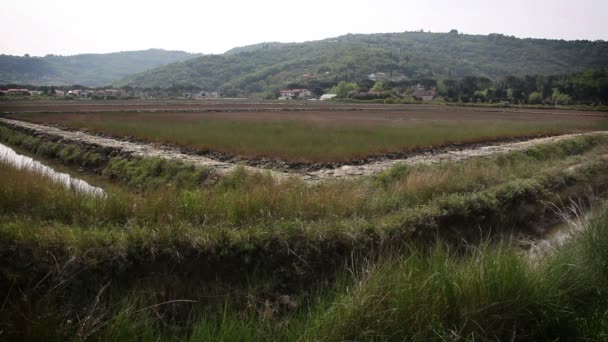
(40, 27)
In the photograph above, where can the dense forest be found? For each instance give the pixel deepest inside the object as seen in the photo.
(87, 69)
(397, 56)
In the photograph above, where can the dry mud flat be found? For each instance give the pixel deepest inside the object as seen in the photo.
(138, 149)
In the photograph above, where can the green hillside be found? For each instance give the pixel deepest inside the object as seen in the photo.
(86, 69)
(409, 55)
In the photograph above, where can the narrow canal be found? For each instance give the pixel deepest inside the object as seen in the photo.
(9, 156)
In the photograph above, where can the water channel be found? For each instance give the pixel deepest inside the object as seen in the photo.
(8, 155)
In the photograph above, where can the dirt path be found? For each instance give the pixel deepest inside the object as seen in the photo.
(343, 172)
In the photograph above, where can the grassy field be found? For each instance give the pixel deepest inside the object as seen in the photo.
(317, 137)
(426, 252)
(167, 256)
(141, 276)
(245, 199)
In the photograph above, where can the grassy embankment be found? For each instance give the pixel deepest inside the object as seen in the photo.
(243, 199)
(272, 255)
(295, 141)
(492, 292)
(419, 293)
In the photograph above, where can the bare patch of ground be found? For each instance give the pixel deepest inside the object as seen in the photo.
(141, 149)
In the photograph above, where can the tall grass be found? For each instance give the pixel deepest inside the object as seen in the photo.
(269, 260)
(244, 199)
(301, 142)
(490, 292)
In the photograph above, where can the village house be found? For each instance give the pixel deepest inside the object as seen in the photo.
(420, 93)
(379, 76)
(113, 92)
(80, 93)
(291, 94)
(206, 95)
(18, 92)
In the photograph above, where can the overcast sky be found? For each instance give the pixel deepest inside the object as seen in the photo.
(41, 27)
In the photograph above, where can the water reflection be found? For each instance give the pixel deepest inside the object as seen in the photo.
(8, 155)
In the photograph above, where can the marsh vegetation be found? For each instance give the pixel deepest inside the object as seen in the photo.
(420, 252)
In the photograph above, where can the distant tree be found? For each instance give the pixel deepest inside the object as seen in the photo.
(271, 94)
(378, 87)
(491, 94)
(535, 98)
(559, 98)
(468, 87)
(515, 88)
(27, 55)
(479, 96)
(366, 84)
(428, 83)
(344, 88)
(295, 85)
(449, 89)
(484, 83)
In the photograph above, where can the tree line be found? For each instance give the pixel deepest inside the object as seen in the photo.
(584, 88)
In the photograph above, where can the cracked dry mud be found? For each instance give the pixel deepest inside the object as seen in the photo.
(138, 149)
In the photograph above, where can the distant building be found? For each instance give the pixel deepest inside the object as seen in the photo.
(290, 94)
(420, 93)
(206, 95)
(112, 92)
(80, 93)
(18, 92)
(325, 97)
(378, 76)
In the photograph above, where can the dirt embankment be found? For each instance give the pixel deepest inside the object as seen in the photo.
(330, 172)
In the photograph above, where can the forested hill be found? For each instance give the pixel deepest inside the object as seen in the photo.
(86, 69)
(411, 55)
